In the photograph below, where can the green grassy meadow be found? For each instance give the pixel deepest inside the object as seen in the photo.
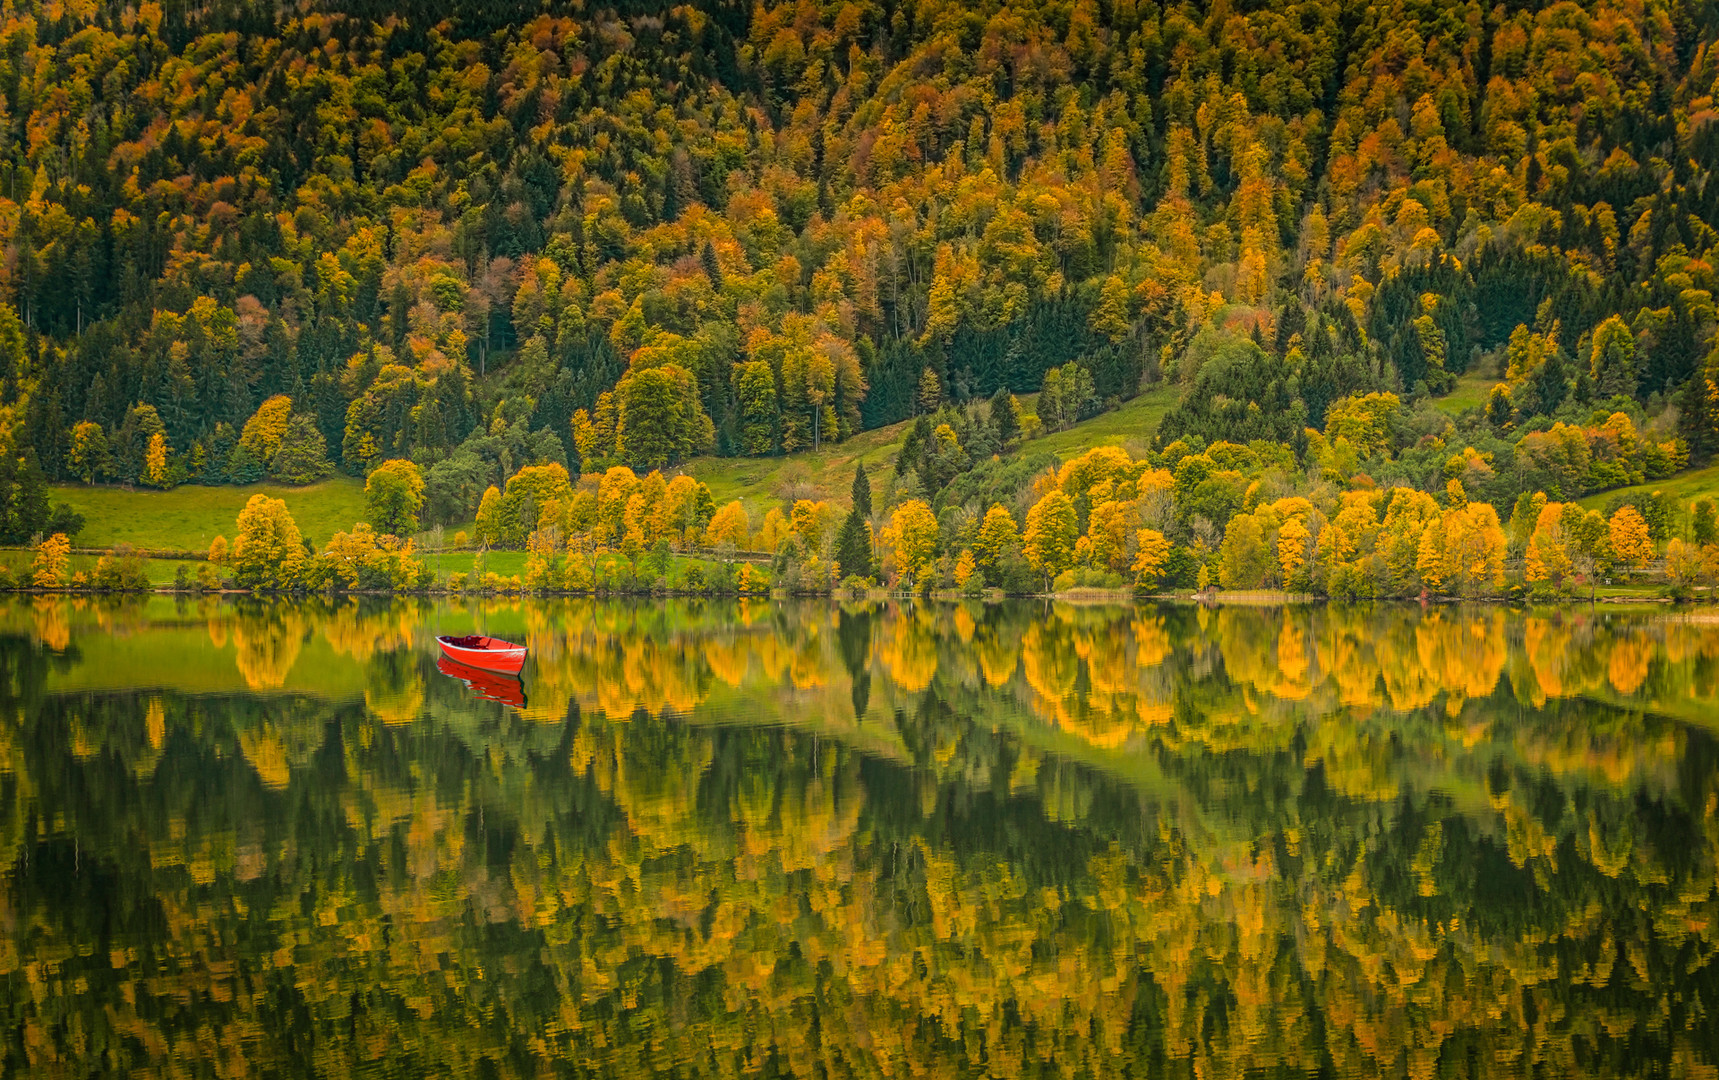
(1471, 392)
(1134, 422)
(829, 471)
(188, 518)
(1686, 487)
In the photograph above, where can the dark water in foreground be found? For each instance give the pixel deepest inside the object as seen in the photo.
(902, 841)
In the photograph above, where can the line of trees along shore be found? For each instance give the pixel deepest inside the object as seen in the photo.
(1193, 515)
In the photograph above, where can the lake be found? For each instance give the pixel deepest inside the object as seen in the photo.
(819, 839)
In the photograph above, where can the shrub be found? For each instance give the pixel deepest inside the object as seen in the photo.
(121, 571)
(1086, 577)
(692, 580)
(752, 580)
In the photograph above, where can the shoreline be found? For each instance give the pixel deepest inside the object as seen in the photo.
(1262, 598)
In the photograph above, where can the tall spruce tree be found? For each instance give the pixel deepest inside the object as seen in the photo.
(853, 542)
(861, 492)
(1005, 416)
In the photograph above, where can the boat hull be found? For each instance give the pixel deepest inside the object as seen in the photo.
(485, 683)
(491, 654)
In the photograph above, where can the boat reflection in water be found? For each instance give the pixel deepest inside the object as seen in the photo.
(492, 685)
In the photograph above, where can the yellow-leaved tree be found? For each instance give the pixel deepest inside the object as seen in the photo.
(489, 523)
(996, 540)
(1294, 554)
(393, 495)
(1631, 543)
(1462, 553)
(1548, 556)
(730, 526)
(155, 468)
(964, 568)
(263, 432)
(1151, 551)
(1049, 539)
(268, 552)
(48, 571)
(910, 540)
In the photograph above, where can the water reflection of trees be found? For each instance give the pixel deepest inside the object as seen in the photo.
(930, 840)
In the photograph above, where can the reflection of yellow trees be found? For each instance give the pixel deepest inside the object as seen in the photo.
(267, 753)
(907, 646)
(1463, 653)
(268, 645)
(52, 625)
(394, 695)
(998, 654)
(363, 630)
(744, 898)
(1266, 651)
(1626, 668)
(1124, 694)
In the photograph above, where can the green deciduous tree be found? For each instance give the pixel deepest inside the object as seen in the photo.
(393, 496)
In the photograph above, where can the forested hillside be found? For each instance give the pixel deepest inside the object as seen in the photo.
(488, 236)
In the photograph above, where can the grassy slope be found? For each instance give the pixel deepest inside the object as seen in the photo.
(1685, 486)
(1471, 392)
(1135, 422)
(830, 470)
(187, 518)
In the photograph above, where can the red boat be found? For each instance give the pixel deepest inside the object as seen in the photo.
(484, 652)
(485, 684)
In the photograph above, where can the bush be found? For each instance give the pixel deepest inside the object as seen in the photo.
(1181, 569)
(1087, 577)
(692, 579)
(121, 571)
(577, 576)
(752, 580)
(1349, 583)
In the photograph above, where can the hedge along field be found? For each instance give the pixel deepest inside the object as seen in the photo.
(188, 518)
(18, 561)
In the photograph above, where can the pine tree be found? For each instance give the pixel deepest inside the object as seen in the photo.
(853, 547)
(853, 542)
(713, 271)
(1005, 416)
(861, 493)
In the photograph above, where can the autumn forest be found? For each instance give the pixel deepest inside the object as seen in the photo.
(481, 237)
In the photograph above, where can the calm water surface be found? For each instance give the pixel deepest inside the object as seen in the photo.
(771, 839)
